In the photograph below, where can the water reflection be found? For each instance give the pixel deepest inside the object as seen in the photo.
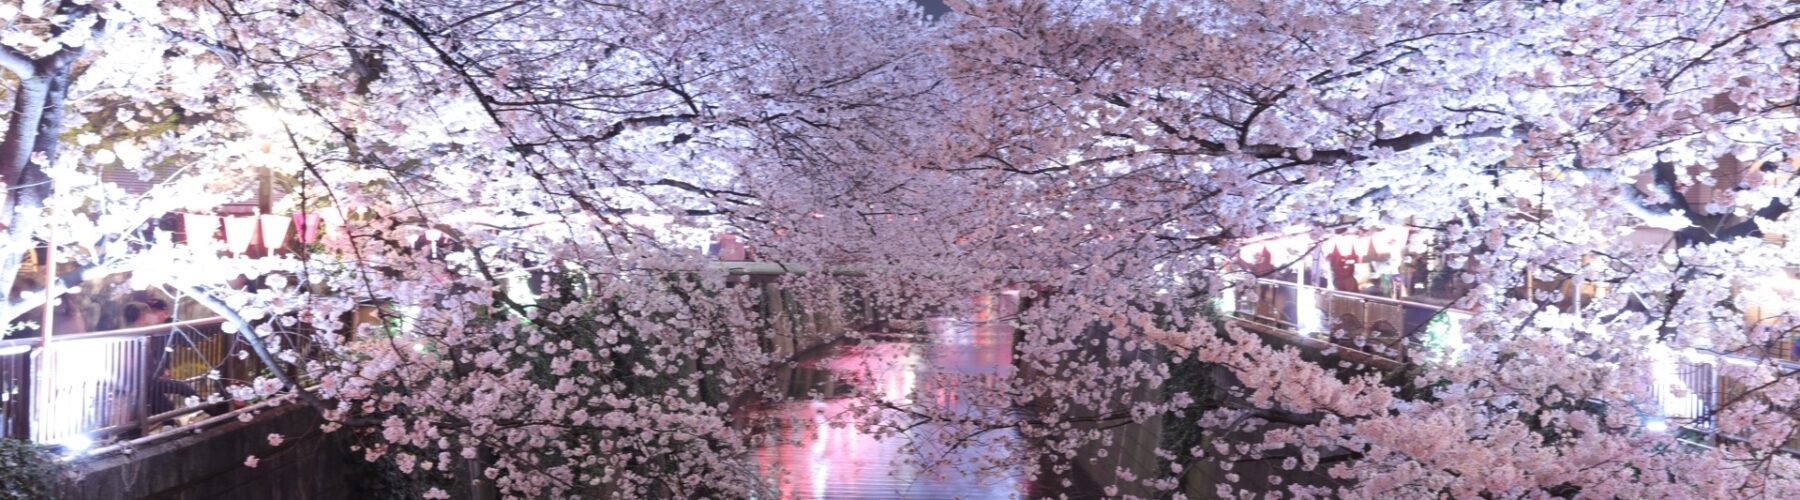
(814, 453)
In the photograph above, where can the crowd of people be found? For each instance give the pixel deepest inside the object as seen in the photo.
(103, 307)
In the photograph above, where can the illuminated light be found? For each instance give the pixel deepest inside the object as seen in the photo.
(1277, 249)
(18, 349)
(274, 231)
(263, 119)
(1444, 335)
(1390, 241)
(1657, 425)
(1226, 303)
(824, 437)
(430, 239)
(1307, 311)
(199, 228)
(331, 220)
(407, 313)
(240, 232)
(518, 289)
(65, 403)
(1250, 252)
(821, 471)
(1677, 399)
(1776, 295)
(76, 443)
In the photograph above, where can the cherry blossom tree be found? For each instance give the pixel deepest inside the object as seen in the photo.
(1139, 141)
(1109, 157)
(566, 332)
(573, 145)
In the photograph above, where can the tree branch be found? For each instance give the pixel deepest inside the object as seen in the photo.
(17, 63)
(247, 331)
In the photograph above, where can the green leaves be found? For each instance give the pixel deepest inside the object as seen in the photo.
(29, 471)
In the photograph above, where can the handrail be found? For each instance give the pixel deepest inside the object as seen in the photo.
(1779, 361)
(765, 268)
(272, 401)
(1254, 320)
(135, 331)
(1364, 296)
(110, 390)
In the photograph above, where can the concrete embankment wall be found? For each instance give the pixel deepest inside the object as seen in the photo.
(210, 464)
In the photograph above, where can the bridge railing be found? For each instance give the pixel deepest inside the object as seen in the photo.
(79, 389)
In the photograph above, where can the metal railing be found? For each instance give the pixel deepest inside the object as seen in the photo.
(1362, 321)
(1691, 395)
(123, 383)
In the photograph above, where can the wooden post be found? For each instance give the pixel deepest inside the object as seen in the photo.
(780, 327)
(46, 358)
(23, 431)
(145, 368)
(265, 191)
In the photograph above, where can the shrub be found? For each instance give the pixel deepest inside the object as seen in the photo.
(28, 471)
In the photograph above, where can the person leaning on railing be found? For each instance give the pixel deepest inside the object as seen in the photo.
(159, 384)
(161, 387)
(151, 312)
(70, 315)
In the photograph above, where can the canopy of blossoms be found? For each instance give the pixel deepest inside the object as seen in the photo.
(1111, 158)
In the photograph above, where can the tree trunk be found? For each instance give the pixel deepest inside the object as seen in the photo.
(33, 130)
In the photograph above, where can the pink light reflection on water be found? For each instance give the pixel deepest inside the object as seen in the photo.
(818, 456)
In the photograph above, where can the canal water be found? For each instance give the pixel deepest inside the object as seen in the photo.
(815, 449)
(819, 443)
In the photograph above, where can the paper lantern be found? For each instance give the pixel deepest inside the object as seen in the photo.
(307, 224)
(239, 233)
(1391, 241)
(331, 220)
(729, 248)
(431, 239)
(199, 228)
(1249, 252)
(1282, 249)
(274, 231)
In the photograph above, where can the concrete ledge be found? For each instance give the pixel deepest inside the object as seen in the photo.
(210, 464)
